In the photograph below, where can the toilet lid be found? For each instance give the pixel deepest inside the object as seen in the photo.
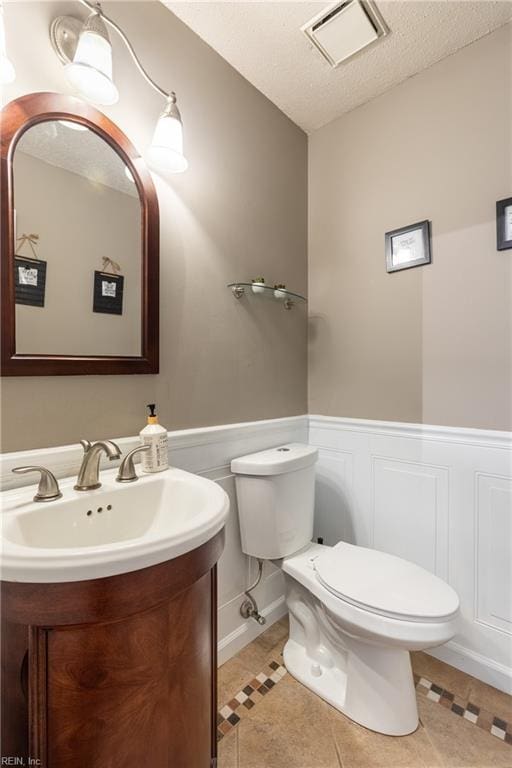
(385, 584)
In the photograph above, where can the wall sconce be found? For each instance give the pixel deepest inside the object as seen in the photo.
(7, 73)
(90, 71)
(86, 53)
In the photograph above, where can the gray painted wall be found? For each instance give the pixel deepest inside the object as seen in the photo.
(430, 344)
(239, 211)
(78, 223)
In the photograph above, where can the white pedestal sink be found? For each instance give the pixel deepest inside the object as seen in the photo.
(115, 529)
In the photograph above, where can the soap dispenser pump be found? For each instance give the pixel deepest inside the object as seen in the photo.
(154, 435)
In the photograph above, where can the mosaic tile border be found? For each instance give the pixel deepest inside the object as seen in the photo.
(477, 715)
(242, 702)
(253, 692)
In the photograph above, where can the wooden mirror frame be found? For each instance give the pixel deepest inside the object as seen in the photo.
(16, 117)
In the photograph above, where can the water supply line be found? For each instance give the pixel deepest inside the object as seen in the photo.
(249, 607)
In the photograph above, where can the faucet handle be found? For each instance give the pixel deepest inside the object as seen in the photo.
(127, 472)
(48, 489)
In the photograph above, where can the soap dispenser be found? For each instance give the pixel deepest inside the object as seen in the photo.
(154, 435)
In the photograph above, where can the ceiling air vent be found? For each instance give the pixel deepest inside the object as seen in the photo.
(344, 29)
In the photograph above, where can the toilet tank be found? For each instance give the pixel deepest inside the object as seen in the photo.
(276, 494)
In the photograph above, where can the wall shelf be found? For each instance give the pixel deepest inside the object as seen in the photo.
(288, 298)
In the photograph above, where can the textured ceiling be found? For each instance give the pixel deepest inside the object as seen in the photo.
(263, 41)
(80, 152)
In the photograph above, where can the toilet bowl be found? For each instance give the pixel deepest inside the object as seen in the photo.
(355, 613)
(350, 636)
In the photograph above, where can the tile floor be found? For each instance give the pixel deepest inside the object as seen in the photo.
(290, 727)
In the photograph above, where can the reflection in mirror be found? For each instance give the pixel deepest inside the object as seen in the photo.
(78, 265)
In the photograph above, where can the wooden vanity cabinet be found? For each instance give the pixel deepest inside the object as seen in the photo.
(118, 672)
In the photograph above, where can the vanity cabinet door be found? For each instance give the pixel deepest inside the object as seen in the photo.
(14, 699)
(118, 672)
(134, 692)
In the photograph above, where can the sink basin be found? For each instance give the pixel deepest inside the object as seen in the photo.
(115, 529)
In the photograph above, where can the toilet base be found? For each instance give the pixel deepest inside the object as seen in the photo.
(369, 682)
(379, 696)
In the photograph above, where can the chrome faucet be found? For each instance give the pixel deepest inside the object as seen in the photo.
(88, 476)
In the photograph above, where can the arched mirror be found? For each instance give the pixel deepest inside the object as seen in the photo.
(79, 243)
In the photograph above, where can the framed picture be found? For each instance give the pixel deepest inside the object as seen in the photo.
(108, 293)
(408, 247)
(504, 224)
(29, 281)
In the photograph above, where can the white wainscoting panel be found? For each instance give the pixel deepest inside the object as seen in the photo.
(206, 452)
(493, 551)
(438, 496)
(334, 502)
(410, 512)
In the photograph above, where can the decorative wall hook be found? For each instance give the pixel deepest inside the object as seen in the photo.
(31, 240)
(108, 263)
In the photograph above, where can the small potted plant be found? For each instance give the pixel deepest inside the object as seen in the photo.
(279, 291)
(258, 284)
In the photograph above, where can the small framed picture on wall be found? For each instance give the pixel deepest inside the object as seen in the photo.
(408, 247)
(504, 224)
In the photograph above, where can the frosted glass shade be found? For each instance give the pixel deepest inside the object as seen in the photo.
(166, 150)
(90, 72)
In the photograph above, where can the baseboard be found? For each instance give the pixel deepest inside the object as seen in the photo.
(249, 630)
(475, 664)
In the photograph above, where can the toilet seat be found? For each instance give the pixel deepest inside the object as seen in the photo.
(361, 620)
(384, 584)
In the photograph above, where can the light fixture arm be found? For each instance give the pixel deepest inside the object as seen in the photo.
(96, 8)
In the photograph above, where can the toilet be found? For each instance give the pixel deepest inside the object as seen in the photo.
(355, 613)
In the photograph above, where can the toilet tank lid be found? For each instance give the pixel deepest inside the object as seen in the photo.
(276, 461)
